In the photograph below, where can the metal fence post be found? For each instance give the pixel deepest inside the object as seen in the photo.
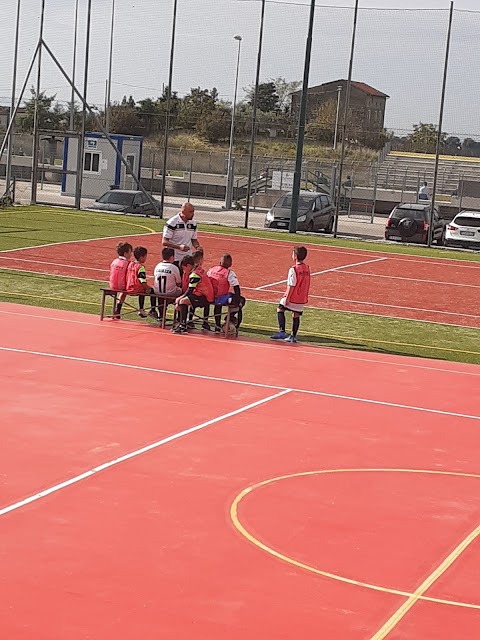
(190, 178)
(374, 196)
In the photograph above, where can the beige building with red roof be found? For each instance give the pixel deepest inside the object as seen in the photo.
(367, 104)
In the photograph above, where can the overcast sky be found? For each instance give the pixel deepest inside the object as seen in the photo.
(400, 52)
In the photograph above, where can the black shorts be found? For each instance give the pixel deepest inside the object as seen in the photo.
(198, 301)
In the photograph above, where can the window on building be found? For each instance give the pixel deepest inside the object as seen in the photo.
(91, 162)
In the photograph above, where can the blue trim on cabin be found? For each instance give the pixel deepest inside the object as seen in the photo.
(118, 167)
(65, 163)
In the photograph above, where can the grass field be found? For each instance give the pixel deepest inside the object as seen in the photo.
(33, 226)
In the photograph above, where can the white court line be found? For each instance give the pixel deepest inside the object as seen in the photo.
(357, 313)
(378, 275)
(389, 306)
(329, 248)
(56, 244)
(51, 275)
(136, 453)
(317, 273)
(247, 383)
(53, 264)
(325, 352)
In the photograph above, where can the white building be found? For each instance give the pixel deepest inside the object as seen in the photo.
(102, 168)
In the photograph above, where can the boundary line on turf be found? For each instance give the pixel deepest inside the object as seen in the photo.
(376, 304)
(55, 244)
(137, 452)
(59, 211)
(183, 374)
(14, 294)
(317, 273)
(318, 247)
(324, 352)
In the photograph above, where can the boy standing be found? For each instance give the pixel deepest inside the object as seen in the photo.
(296, 295)
(223, 279)
(137, 281)
(198, 295)
(118, 272)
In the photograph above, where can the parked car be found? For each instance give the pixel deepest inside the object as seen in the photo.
(315, 212)
(464, 230)
(125, 201)
(410, 223)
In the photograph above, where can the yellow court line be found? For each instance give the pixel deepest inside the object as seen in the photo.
(393, 621)
(418, 596)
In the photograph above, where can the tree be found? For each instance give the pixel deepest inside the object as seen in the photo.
(124, 119)
(267, 99)
(215, 125)
(196, 105)
(423, 138)
(49, 113)
(284, 92)
(152, 113)
(322, 126)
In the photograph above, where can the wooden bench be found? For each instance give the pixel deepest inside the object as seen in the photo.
(133, 308)
(227, 310)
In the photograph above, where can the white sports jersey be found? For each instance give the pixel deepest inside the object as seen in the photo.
(167, 278)
(180, 232)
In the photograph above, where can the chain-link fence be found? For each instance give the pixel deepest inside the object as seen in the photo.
(391, 127)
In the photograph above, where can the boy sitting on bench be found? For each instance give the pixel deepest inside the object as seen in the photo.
(223, 280)
(198, 295)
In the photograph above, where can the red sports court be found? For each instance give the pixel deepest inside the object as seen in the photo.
(162, 486)
(352, 280)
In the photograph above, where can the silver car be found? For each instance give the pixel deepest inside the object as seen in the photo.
(315, 212)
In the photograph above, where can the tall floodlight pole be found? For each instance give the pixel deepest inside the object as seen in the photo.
(229, 190)
(337, 190)
(440, 126)
(8, 175)
(301, 124)
(339, 93)
(254, 113)
(74, 64)
(36, 139)
(81, 140)
(109, 83)
(169, 106)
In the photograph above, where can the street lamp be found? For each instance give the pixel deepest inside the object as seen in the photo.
(339, 90)
(229, 189)
(8, 172)
(109, 81)
(74, 65)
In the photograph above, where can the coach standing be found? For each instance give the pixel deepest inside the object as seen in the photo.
(180, 233)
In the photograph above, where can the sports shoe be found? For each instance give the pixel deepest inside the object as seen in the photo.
(179, 328)
(153, 314)
(281, 335)
(142, 313)
(291, 338)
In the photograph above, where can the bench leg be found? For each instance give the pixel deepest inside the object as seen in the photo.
(164, 313)
(102, 308)
(227, 322)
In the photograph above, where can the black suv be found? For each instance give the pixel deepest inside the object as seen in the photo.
(410, 223)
